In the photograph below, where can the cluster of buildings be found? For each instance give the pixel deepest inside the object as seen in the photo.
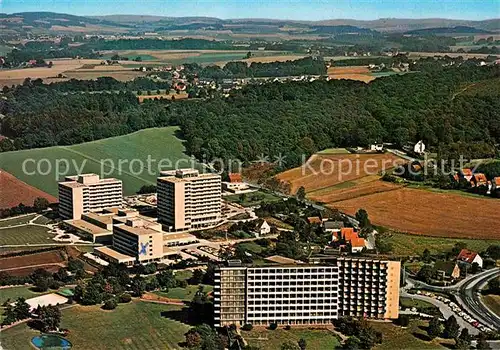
(477, 180)
(452, 270)
(343, 237)
(186, 201)
(301, 294)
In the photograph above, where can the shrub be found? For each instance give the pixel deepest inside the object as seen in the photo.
(288, 327)
(247, 327)
(404, 320)
(125, 298)
(110, 304)
(273, 326)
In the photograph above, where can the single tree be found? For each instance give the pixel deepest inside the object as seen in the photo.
(22, 309)
(451, 328)
(362, 217)
(49, 317)
(434, 328)
(353, 343)
(302, 344)
(482, 343)
(426, 256)
(301, 193)
(40, 204)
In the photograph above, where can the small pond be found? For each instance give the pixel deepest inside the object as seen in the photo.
(51, 341)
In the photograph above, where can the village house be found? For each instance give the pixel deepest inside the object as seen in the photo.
(470, 257)
(333, 227)
(447, 270)
(262, 228)
(478, 179)
(419, 147)
(235, 184)
(314, 220)
(495, 184)
(350, 236)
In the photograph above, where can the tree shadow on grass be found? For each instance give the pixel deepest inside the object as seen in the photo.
(447, 345)
(421, 336)
(177, 315)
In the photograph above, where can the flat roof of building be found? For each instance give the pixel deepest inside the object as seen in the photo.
(283, 260)
(114, 254)
(178, 237)
(88, 227)
(105, 219)
(71, 184)
(139, 230)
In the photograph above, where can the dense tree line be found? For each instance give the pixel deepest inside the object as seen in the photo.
(314, 116)
(304, 66)
(38, 116)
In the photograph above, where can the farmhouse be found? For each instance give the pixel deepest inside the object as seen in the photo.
(478, 179)
(470, 257)
(350, 236)
(262, 228)
(447, 270)
(314, 220)
(419, 147)
(235, 184)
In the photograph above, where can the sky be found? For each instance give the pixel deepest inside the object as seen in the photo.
(278, 9)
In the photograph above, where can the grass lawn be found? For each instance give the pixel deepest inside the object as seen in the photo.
(251, 247)
(421, 305)
(183, 275)
(15, 292)
(411, 338)
(18, 220)
(160, 144)
(137, 325)
(25, 234)
(334, 151)
(184, 293)
(404, 244)
(316, 339)
(253, 198)
(493, 302)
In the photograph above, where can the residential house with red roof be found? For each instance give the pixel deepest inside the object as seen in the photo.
(478, 179)
(350, 236)
(470, 257)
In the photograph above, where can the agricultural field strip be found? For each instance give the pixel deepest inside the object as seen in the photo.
(86, 156)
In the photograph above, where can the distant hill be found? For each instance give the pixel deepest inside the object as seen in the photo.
(447, 30)
(40, 22)
(49, 21)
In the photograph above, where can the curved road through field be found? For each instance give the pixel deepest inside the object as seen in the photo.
(469, 296)
(467, 293)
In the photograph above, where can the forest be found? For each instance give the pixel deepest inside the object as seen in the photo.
(291, 119)
(304, 66)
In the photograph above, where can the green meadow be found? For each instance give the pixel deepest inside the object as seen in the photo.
(134, 158)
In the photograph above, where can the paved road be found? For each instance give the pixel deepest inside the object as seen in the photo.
(469, 296)
(445, 310)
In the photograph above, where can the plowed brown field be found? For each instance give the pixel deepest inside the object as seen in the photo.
(429, 213)
(328, 170)
(14, 191)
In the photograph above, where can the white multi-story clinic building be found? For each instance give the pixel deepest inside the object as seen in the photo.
(306, 294)
(188, 200)
(86, 193)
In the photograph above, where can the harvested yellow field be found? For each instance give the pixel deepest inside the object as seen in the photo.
(17, 76)
(351, 72)
(348, 70)
(121, 75)
(323, 171)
